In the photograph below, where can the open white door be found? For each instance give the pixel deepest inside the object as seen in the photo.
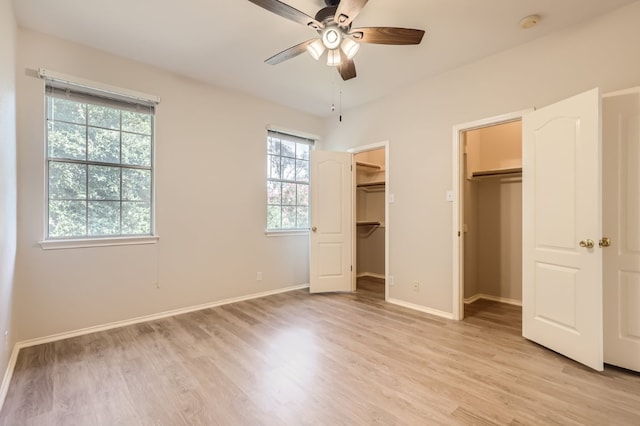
(562, 263)
(621, 163)
(331, 222)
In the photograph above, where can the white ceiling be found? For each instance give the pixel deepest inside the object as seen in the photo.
(224, 42)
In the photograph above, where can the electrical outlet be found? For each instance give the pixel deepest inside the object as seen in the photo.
(259, 276)
(391, 282)
(416, 286)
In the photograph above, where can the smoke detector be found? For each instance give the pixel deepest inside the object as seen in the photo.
(529, 21)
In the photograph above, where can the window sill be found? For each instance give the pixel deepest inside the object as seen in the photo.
(285, 232)
(98, 242)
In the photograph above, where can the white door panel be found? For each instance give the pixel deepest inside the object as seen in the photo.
(555, 295)
(621, 162)
(554, 210)
(562, 281)
(331, 221)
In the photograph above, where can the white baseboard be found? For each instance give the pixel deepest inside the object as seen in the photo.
(4, 387)
(443, 314)
(479, 296)
(8, 374)
(153, 317)
(371, 275)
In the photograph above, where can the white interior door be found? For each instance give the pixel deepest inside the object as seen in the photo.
(562, 280)
(331, 222)
(621, 163)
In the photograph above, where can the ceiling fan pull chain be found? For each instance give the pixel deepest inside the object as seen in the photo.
(340, 102)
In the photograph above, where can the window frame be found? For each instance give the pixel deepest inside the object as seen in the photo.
(95, 93)
(298, 138)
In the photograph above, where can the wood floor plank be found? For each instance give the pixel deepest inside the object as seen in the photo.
(303, 359)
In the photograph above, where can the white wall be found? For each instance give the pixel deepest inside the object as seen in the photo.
(418, 124)
(211, 201)
(7, 181)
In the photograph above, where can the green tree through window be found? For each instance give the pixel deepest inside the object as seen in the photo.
(99, 166)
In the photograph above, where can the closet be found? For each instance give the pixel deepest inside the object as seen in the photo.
(607, 146)
(370, 215)
(493, 213)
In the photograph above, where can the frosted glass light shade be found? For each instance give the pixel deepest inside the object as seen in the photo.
(350, 47)
(316, 49)
(333, 58)
(331, 38)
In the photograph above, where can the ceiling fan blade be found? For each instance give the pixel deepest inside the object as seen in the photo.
(347, 11)
(387, 35)
(289, 53)
(288, 12)
(346, 69)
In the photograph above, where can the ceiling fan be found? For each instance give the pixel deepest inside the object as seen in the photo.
(337, 38)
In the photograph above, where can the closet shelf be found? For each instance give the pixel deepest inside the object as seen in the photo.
(376, 167)
(369, 184)
(368, 223)
(496, 173)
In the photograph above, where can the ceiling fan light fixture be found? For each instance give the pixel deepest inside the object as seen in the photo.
(333, 58)
(350, 47)
(316, 49)
(331, 38)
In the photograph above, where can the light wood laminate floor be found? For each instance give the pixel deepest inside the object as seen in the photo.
(296, 358)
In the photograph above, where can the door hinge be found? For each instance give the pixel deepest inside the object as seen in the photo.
(458, 233)
(351, 268)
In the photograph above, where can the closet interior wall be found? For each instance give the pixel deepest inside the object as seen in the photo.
(493, 213)
(370, 214)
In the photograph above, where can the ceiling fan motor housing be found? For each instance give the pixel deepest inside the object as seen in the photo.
(331, 2)
(326, 13)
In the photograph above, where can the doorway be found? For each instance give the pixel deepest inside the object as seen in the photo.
(335, 220)
(371, 217)
(488, 212)
(492, 231)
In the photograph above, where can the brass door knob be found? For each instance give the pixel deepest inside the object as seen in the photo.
(605, 242)
(314, 229)
(587, 243)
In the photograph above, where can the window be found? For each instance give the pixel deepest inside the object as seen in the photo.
(287, 181)
(99, 165)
